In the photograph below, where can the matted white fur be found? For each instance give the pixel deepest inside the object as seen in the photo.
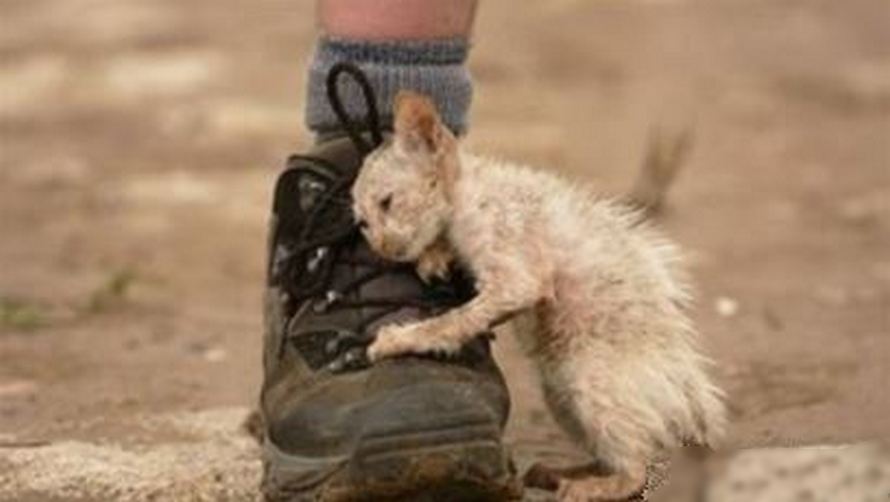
(618, 356)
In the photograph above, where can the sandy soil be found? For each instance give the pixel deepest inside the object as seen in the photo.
(140, 141)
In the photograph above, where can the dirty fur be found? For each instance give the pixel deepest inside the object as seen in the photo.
(601, 295)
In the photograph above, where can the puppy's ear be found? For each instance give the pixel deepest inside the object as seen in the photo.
(417, 124)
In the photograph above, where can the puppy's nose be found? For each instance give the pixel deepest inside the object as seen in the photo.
(361, 224)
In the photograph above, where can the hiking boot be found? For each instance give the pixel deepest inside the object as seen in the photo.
(335, 428)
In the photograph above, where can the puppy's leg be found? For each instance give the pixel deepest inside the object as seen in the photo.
(505, 288)
(448, 332)
(581, 406)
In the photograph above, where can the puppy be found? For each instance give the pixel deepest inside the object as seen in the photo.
(618, 357)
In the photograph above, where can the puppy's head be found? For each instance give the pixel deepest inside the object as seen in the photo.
(402, 195)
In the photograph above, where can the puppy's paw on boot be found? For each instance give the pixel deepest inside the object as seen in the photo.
(435, 263)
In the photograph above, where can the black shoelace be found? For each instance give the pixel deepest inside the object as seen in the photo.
(327, 236)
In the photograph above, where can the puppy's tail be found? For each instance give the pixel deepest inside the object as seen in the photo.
(665, 156)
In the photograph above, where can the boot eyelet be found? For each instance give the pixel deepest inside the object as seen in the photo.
(332, 297)
(315, 260)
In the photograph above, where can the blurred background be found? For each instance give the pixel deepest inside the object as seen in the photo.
(140, 141)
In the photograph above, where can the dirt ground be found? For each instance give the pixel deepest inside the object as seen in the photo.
(140, 141)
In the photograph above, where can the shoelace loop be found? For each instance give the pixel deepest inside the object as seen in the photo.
(372, 117)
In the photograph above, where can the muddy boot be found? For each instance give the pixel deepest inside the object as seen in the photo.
(412, 428)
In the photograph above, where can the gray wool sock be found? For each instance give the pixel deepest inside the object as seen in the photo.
(432, 67)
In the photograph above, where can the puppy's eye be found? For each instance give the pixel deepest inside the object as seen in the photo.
(386, 203)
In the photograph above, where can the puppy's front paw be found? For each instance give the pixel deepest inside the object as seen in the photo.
(412, 338)
(435, 263)
(393, 340)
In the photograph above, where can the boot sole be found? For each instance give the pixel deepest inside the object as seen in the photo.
(383, 470)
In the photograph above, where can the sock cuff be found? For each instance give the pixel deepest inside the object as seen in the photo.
(432, 67)
(442, 51)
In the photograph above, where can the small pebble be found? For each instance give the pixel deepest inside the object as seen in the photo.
(726, 307)
(17, 388)
(215, 355)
